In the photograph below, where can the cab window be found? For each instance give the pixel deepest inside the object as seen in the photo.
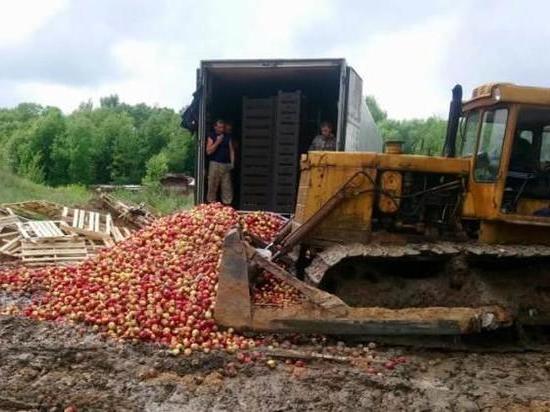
(489, 151)
(466, 142)
(531, 145)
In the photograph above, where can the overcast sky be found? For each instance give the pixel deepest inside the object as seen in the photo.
(409, 53)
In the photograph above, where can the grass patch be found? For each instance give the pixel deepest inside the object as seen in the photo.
(14, 188)
(17, 189)
(157, 198)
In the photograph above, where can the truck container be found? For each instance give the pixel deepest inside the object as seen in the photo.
(270, 103)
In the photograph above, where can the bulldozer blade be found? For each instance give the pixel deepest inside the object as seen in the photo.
(324, 313)
(382, 321)
(233, 304)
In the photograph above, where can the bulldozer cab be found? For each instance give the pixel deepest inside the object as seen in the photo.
(505, 131)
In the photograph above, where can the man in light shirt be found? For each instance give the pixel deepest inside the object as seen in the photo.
(326, 141)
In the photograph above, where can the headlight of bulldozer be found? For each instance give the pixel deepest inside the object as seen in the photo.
(496, 93)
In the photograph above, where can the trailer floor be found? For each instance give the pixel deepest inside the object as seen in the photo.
(53, 367)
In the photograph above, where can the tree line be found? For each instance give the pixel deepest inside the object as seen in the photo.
(419, 136)
(131, 144)
(113, 143)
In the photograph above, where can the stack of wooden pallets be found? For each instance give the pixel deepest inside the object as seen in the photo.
(269, 153)
(40, 242)
(53, 251)
(287, 136)
(44, 242)
(257, 153)
(75, 236)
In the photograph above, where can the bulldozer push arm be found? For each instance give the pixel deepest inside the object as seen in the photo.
(289, 241)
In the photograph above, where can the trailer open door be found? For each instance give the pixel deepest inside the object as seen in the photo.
(359, 132)
(200, 172)
(351, 111)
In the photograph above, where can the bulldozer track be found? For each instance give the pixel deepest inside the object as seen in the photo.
(334, 254)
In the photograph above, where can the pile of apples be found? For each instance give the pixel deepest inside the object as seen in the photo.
(21, 279)
(158, 286)
(270, 291)
(263, 225)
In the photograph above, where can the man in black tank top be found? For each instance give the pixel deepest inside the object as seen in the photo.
(219, 149)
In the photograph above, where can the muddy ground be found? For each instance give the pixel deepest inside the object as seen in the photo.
(54, 367)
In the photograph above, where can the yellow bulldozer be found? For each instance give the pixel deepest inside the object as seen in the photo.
(398, 244)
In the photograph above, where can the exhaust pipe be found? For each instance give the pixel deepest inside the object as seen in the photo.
(455, 111)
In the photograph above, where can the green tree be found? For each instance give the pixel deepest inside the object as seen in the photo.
(14, 138)
(420, 136)
(111, 126)
(375, 110)
(86, 107)
(139, 112)
(73, 153)
(41, 135)
(115, 142)
(34, 169)
(27, 111)
(128, 152)
(180, 153)
(156, 167)
(81, 140)
(110, 102)
(432, 132)
(61, 160)
(45, 130)
(157, 131)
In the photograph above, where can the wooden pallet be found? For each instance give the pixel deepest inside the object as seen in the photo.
(93, 225)
(34, 209)
(265, 103)
(38, 230)
(53, 252)
(9, 234)
(119, 234)
(94, 246)
(138, 215)
(12, 247)
(10, 222)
